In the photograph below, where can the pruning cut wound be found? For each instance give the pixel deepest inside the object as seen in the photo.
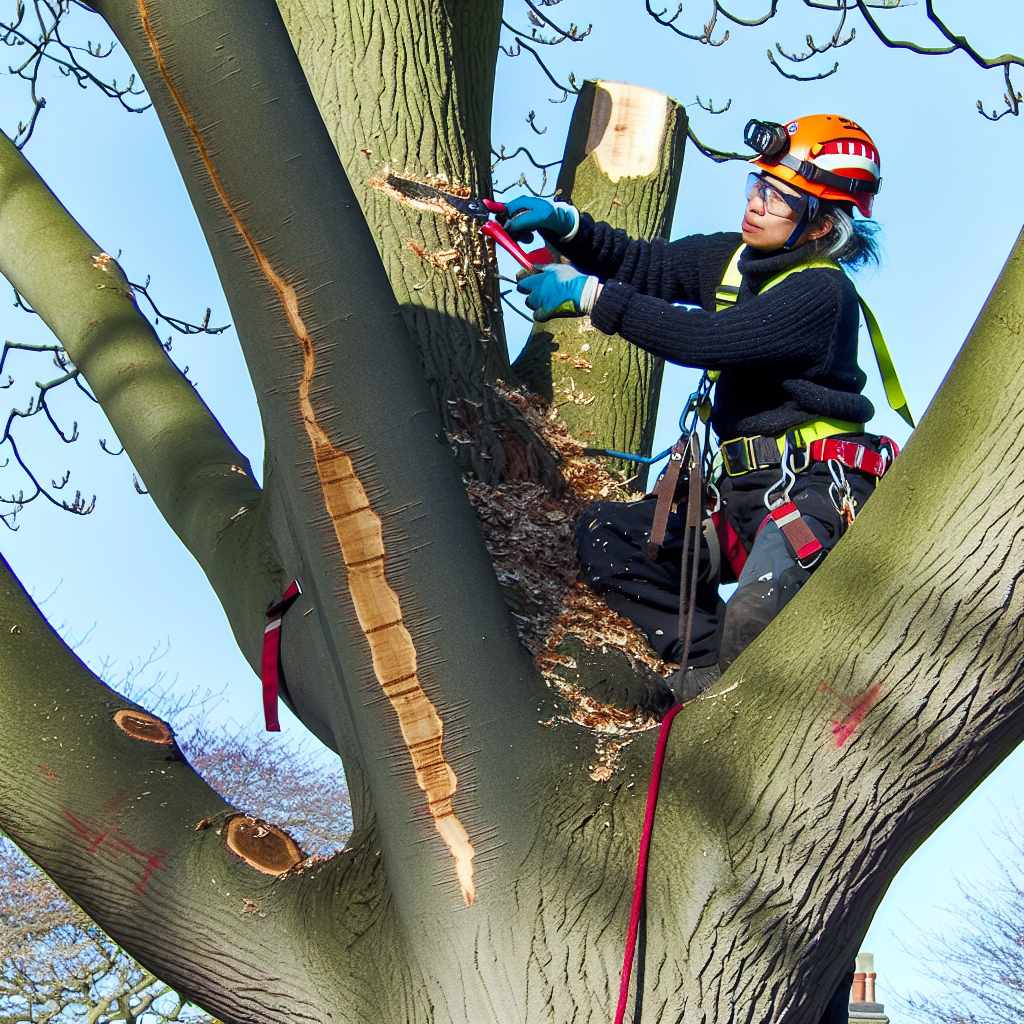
(626, 129)
(141, 725)
(264, 847)
(358, 531)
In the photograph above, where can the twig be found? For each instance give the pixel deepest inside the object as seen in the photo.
(800, 78)
(710, 105)
(748, 22)
(1006, 61)
(573, 35)
(519, 45)
(704, 37)
(511, 305)
(181, 326)
(720, 156)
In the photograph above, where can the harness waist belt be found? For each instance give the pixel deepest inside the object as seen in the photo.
(742, 455)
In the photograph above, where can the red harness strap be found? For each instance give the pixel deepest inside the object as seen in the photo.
(797, 533)
(851, 455)
(729, 540)
(270, 665)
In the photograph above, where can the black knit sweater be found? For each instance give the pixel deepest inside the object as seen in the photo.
(787, 356)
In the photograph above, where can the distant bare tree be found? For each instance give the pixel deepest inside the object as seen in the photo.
(981, 957)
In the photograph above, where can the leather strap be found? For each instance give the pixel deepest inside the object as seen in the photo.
(690, 562)
(665, 489)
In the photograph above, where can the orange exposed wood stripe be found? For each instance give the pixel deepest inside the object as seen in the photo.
(358, 531)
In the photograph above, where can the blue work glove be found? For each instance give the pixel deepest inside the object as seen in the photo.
(559, 290)
(527, 214)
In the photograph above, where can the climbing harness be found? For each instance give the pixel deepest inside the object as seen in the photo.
(740, 454)
(271, 671)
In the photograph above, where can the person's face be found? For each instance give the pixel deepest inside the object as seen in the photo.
(773, 208)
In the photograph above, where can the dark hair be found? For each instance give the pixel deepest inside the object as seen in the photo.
(851, 242)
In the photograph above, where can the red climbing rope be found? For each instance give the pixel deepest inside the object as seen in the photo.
(640, 882)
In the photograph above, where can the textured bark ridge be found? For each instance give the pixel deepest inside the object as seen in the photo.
(406, 87)
(622, 164)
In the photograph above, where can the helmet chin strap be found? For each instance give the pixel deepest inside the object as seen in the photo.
(805, 218)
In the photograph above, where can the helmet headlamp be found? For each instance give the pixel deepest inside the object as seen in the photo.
(768, 139)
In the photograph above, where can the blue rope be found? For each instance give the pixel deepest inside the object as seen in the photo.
(691, 406)
(643, 460)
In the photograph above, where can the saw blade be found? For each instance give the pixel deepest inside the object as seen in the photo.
(428, 193)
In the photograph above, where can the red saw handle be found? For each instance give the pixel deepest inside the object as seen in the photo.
(528, 261)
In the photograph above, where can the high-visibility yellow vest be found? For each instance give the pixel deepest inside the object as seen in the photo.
(728, 292)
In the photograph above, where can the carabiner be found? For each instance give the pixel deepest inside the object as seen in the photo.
(712, 489)
(691, 411)
(785, 481)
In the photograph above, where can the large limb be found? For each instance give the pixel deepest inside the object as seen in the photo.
(622, 164)
(863, 715)
(406, 86)
(401, 644)
(201, 483)
(96, 791)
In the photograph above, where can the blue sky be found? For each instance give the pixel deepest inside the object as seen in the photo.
(950, 207)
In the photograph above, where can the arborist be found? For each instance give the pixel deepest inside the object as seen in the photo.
(771, 316)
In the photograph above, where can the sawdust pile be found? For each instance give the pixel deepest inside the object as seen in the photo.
(530, 536)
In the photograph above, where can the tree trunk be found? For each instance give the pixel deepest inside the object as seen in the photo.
(405, 87)
(622, 163)
(489, 875)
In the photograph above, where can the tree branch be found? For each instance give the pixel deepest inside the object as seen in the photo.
(854, 753)
(97, 792)
(197, 478)
(46, 46)
(956, 42)
(370, 511)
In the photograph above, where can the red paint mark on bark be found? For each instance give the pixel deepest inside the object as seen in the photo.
(859, 707)
(111, 839)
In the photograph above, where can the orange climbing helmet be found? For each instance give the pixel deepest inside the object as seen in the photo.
(825, 155)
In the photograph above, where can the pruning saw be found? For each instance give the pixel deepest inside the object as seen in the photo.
(488, 212)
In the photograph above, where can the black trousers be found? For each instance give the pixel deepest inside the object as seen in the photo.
(612, 549)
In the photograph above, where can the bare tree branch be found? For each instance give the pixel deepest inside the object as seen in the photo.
(519, 44)
(800, 78)
(748, 22)
(573, 33)
(718, 155)
(710, 105)
(177, 323)
(709, 27)
(956, 42)
(47, 47)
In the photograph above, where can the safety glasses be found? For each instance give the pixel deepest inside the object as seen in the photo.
(777, 203)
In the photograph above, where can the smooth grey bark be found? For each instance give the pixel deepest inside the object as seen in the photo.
(200, 481)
